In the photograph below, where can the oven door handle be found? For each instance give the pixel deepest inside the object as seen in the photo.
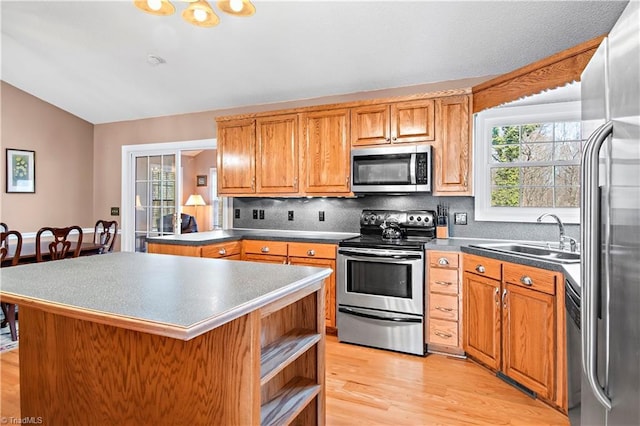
(376, 317)
(355, 255)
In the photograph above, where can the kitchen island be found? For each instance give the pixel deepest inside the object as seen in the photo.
(132, 338)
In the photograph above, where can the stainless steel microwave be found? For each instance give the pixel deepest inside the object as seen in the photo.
(391, 169)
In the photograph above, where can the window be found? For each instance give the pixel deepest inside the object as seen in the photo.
(528, 162)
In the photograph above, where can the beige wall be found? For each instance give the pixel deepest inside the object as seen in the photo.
(64, 163)
(64, 147)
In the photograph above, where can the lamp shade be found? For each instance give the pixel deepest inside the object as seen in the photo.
(155, 7)
(195, 200)
(200, 14)
(237, 7)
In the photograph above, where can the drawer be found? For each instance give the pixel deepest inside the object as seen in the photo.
(274, 248)
(443, 332)
(311, 250)
(443, 280)
(222, 250)
(443, 259)
(443, 306)
(530, 277)
(483, 266)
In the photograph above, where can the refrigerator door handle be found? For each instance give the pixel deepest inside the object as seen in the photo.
(589, 234)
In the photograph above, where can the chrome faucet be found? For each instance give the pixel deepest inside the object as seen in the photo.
(572, 241)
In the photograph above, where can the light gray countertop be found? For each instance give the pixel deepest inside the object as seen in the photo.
(174, 296)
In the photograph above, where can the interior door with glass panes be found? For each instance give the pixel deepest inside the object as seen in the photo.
(156, 197)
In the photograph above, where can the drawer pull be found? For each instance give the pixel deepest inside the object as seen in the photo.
(443, 261)
(442, 334)
(311, 252)
(444, 283)
(440, 308)
(526, 280)
(480, 269)
(222, 252)
(265, 249)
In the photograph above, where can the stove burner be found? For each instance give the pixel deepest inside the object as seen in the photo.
(394, 229)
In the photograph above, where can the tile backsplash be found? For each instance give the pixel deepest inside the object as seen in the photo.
(343, 215)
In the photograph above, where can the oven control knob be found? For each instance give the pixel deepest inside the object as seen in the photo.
(426, 219)
(419, 218)
(411, 218)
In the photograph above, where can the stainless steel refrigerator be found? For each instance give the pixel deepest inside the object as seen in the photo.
(610, 228)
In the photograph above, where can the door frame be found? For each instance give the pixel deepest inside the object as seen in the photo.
(127, 217)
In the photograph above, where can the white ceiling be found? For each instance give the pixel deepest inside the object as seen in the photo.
(90, 58)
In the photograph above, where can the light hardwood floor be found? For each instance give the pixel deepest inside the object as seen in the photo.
(374, 387)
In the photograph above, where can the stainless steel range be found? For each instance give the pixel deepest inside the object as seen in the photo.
(380, 281)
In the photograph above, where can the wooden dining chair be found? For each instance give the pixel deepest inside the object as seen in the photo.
(9, 309)
(105, 233)
(3, 227)
(60, 247)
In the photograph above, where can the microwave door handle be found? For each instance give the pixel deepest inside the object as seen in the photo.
(356, 313)
(412, 169)
(590, 239)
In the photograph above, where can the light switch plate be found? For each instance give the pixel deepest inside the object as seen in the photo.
(460, 218)
(115, 211)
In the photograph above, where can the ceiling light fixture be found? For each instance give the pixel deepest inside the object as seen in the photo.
(199, 12)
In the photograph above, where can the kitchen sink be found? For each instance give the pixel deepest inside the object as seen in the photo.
(536, 252)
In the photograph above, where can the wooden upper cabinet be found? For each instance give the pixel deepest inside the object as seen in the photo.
(401, 122)
(370, 125)
(236, 157)
(413, 121)
(277, 159)
(326, 151)
(452, 157)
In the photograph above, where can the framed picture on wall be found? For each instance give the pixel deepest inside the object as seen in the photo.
(201, 180)
(21, 171)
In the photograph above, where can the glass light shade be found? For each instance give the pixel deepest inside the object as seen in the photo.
(247, 9)
(200, 13)
(157, 7)
(195, 200)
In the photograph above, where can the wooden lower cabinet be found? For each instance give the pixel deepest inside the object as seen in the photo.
(178, 250)
(230, 250)
(298, 253)
(514, 323)
(482, 319)
(444, 299)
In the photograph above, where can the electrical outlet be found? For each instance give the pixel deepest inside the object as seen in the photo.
(321, 216)
(290, 215)
(236, 213)
(255, 213)
(115, 211)
(460, 218)
(261, 214)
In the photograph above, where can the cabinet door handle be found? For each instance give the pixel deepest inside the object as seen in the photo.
(264, 249)
(440, 308)
(526, 280)
(394, 138)
(222, 252)
(443, 335)
(387, 139)
(444, 283)
(504, 295)
(496, 297)
(480, 269)
(443, 261)
(311, 252)
(253, 183)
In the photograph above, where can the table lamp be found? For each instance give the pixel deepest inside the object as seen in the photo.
(195, 200)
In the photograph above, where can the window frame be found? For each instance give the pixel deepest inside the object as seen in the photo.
(484, 121)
